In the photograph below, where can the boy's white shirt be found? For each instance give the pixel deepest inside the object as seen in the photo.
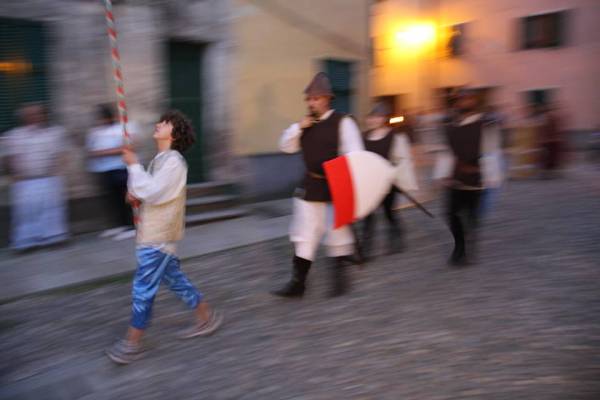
(164, 185)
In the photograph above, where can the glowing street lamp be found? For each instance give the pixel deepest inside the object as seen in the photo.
(416, 35)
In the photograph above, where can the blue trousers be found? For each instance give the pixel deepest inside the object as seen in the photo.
(153, 268)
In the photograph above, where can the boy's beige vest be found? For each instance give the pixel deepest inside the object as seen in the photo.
(165, 222)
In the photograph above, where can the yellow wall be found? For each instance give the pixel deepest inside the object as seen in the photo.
(278, 45)
(400, 67)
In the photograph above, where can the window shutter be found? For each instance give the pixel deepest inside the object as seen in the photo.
(340, 73)
(23, 67)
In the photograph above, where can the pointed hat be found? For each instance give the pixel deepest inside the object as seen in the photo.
(319, 86)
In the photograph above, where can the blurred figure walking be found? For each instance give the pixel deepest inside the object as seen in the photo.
(473, 164)
(393, 145)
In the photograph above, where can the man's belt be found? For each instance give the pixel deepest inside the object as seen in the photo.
(467, 168)
(315, 175)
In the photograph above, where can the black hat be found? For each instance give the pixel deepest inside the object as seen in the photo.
(465, 92)
(381, 109)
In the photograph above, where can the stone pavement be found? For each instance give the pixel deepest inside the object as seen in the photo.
(522, 324)
(88, 258)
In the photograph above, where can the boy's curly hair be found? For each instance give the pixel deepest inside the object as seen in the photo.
(183, 133)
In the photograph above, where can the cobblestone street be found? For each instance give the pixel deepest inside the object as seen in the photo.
(522, 324)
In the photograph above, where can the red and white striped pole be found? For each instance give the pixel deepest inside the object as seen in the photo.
(118, 76)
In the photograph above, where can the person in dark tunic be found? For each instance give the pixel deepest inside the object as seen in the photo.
(551, 141)
(393, 145)
(320, 136)
(474, 164)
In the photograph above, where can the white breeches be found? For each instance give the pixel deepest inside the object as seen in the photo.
(312, 220)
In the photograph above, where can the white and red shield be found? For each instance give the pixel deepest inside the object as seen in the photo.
(358, 182)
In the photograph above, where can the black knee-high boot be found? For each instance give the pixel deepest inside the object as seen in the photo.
(339, 284)
(296, 286)
(394, 230)
(395, 239)
(368, 233)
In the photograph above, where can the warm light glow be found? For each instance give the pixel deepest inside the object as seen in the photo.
(15, 67)
(416, 35)
(396, 120)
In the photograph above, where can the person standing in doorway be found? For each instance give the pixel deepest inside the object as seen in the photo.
(105, 146)
(551, 139)
(35, 157)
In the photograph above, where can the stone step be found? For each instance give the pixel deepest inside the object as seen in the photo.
(210, 203)
(214, 216)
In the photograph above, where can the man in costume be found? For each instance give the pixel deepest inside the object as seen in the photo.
(394, 146)
(320, 136)
(474, 164)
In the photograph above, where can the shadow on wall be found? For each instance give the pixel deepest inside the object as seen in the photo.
(274, 176)
(271, 175)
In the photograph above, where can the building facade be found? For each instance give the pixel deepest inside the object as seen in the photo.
(237, 68)
(521, 51)
(280, 45)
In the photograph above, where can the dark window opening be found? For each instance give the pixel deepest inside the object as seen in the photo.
(455, 46)
(544, 30)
